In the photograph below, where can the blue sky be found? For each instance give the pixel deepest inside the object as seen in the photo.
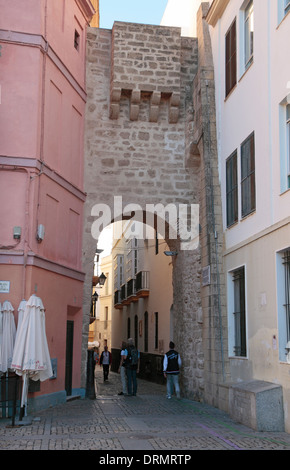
(132, 11)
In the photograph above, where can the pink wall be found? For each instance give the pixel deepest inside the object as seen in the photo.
(20, 78)
(43, 100)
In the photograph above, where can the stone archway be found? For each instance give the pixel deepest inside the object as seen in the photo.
(149, 140)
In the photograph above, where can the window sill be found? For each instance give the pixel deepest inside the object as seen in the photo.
(232, 225)
(230, 93)
(243, 358)
(284, 192)
(246, 71)
(283, 19)
(253, 212)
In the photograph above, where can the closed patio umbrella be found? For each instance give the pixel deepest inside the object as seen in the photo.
(7, 337)
(31, 357)
(21, 310)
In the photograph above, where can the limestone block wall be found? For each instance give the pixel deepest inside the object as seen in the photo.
(137, 150)
(150, 138)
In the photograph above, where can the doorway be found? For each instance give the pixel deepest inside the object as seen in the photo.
(69, 357)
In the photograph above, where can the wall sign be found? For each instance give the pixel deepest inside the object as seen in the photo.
(4, 287)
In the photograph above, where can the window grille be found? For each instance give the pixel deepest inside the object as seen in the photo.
(232, 189)
(248, 175)
(240, 348)
(286, 263)
(288, 140)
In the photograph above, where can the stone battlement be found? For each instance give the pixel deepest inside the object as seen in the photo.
(146, 60)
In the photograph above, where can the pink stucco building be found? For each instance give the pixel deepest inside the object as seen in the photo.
(43, 97)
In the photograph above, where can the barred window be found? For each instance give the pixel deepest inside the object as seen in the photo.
(288, 140)
(286, 263)
(248, 175)
(232, 189)
(240, 345)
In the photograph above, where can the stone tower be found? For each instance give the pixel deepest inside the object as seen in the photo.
(150, 139)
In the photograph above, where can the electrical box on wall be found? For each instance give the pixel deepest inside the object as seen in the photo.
(40, 233)
(16, 233)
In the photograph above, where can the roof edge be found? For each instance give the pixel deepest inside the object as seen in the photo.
(216, 11)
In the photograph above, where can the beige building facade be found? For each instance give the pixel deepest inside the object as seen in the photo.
(142, 297)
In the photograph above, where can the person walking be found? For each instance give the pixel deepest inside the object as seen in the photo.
(106, 361)
(122, 369)
(171, 369)
(132, 364)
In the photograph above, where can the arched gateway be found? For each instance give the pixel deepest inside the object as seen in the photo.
(149, 140)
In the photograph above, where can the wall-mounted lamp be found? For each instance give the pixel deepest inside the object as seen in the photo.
(170, 253)
(95, 297)
(102, 279)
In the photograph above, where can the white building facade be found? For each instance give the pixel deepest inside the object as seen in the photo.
(250, 45)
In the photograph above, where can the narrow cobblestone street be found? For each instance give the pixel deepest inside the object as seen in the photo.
(148, 422)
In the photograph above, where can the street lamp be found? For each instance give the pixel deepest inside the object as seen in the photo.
(93, 306)
(102, 279)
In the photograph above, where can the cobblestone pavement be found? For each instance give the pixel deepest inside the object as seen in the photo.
(148, 422)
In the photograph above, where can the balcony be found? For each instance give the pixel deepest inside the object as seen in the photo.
(142, 284)
(133, 290)
(124, 298)
(117, 299)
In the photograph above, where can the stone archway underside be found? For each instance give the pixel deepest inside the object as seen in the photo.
(145, 143)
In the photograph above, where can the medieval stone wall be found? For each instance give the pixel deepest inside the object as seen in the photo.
(147, 140)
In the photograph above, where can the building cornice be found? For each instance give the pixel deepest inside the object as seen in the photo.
(216, 11)
(36, 40)
(87, 8)
(33, 163)
(18, 258)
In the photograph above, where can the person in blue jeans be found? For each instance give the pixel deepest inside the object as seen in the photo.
(132, 364)
(171, 369)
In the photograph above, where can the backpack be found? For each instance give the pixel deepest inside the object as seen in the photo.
(132, 359)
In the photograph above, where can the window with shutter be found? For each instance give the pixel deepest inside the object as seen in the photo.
(231, 58)
(232, 189)
(248, 175)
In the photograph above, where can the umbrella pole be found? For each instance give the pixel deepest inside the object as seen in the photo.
(23, 398)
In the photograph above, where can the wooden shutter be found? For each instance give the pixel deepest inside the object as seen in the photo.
(231, 58)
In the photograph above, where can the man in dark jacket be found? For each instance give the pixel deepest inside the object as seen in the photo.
(171, 369)
(106, 361)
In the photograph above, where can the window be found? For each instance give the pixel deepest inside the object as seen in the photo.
(283, 300)
(288, 140)
(238, 278)
(106, 318)
(231, 58)
(286, 262)
(232, 189)
(77, 40)
(283, 9)
(248, 190)
(249, 34)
